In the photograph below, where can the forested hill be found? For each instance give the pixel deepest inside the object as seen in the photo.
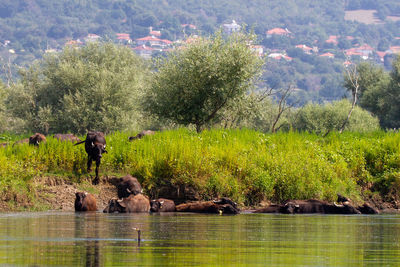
(28, 28)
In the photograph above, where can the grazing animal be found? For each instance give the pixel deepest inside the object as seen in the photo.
(67, 137)
(209, 207)
(95, 146)
(36, 139)
(85, 202)
(128, 185)
(131, 204)
(162, 205)
(141, 135)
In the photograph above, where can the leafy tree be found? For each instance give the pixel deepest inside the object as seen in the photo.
(97, 87)
(329, 117)
(194, 83)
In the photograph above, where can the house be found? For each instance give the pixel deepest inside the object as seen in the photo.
(257, 49)
(328, 55)
(347, 63)
(381, 55)
(153, 41)
(74, 43)
(91, 37)
(190, 26)
(332, 40)
(144, 51)
(154, 33)
(124, 37)
(279, 56)
(393, 50)
(278, 31)
(306, 49)
(364, 51)
(232, 27)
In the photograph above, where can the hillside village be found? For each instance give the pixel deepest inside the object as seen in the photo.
(153, 44)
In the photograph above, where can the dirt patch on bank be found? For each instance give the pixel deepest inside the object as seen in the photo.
(51, 193)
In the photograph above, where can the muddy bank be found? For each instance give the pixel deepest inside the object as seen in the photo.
(51, 193)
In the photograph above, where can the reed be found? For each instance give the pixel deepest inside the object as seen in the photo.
(245, 165)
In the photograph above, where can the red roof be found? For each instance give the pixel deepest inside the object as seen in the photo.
(327, 55)
(278, 31)
(304, 47)
(191, 26)
(143, 48)
(152, 38)
(381, 54)
(332, 39)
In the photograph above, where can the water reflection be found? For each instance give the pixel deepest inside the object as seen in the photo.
(97, 239)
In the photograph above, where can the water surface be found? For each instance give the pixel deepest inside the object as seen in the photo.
(97, 239)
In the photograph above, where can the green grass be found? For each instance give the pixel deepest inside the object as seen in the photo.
(245, 165)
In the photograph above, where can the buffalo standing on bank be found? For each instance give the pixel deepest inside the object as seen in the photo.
(95, 146)
(128, 185)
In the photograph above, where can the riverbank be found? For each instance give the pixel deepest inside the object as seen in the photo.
(249, 167)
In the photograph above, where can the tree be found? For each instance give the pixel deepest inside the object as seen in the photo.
(96, 87)
(194, 83)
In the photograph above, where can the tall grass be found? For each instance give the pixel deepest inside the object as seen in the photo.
(245, 165)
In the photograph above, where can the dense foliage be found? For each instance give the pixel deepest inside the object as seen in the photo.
(379, 92)
(38, 25)
(193, 84)
(246, 165)
(96, 87)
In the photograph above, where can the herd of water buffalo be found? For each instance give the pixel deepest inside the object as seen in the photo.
(131, 198)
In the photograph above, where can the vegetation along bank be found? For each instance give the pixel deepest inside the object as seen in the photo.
(246, 165)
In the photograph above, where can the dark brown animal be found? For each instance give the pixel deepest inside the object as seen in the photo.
(67, 137)
(36, 139)
(95, 146)
(131, 204)
(128, 185)
(208, 207)
(141, 135)
(85, 202)
(310, 206)
(162, 205)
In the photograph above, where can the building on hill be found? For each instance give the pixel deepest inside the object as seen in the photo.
(333, 39)
(231, 27)
(153, 32)
(327, 55)
(124, 37)
(144, 51)
(278, 31)
(91, 37)
(153, 41)
(306, 49)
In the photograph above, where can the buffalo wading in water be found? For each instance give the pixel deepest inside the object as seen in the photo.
(162, 205)
(85, 202)
(95, 146)
(131, 204)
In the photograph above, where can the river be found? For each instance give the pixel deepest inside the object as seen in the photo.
(176, 239)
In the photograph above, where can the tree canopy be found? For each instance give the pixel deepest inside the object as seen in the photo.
(192, 84)
(96, 87)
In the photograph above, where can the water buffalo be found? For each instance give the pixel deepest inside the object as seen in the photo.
(131, 204)
(95, 146)
(67, 137)
(162, 205)
(141, 135)
(310, 206)
(128, 185)
(36, 139)
(85, 202)
(208, 207)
